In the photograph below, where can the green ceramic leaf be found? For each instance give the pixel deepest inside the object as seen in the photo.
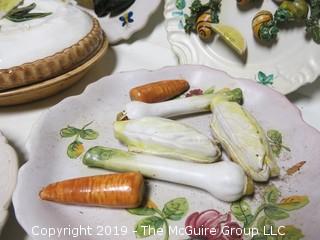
(265, 225)
(271, 194)
(291, 233)
(316, 34)
(75, 149)
(293, 203)
(69, 132)
(142, 211)
(209, 91)
(148, 226)
(275, 213)
(241, 210)
(176, 208)
(89, 134)
(180, 4)
(262, 76)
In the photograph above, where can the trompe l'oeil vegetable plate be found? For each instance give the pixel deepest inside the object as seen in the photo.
(292, 61)
(8, 175)
(289, 201)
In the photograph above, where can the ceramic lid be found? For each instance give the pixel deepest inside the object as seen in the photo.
(36, 39)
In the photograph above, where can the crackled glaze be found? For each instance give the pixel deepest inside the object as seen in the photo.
(36, 39)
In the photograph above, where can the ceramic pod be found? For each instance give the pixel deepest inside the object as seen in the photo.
(168, 138)
(242, 138)
(292, 11)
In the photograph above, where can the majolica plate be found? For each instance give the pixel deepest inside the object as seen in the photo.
(8, 175)
(286, 65)
(289, 202)
(133, 19)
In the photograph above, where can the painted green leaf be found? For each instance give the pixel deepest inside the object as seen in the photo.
(241, 210)
(271, 194)
(209, 91)
(176, 208)
(89, 134)
(316, 34)
(265, 225)
(293, 203)
(290, 233)
(275, 136)
(275, 213)
(148, 226)
(261, 75)
(69, 132)
(180, 4)
(142, 211)
(75, 149)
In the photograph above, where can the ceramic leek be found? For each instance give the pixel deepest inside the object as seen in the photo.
(176, 107)
(242, 138)
(167, 138)
(224, 180)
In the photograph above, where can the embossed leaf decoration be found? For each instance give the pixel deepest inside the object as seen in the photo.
(148, 226)
(176, 209)
(293, 203)
(241, 210)
(75, 149)
(271, 194)
(89, 134)
(275, 213)
(291, 233)
(69, 132)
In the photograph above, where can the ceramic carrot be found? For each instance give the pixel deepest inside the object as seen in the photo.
(159, 91)
(113, 190)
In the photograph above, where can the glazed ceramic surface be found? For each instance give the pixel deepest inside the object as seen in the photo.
(42, 37)
(286, 65)
(8, 175)
(99, 104)
(120, 28)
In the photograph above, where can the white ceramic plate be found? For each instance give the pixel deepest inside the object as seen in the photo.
(8, 175)
(48, 161)
(117, 30)
(293, 60)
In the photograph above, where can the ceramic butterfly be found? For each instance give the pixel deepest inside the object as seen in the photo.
(126, 19)
(265, 79)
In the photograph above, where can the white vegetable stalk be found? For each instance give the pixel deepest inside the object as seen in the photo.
(167, 138)
(242, 138)
(177, 107)
(224, 180)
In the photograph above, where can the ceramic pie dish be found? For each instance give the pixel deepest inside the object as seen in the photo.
(99, 104)
(8, 175)
(44, 48)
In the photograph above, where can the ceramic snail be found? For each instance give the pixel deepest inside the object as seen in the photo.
(292, 11)
(263, 26)
(203, 26)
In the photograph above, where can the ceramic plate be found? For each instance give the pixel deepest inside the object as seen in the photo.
(99, 104)
(118, 28)
(8, 175)
(290, 63)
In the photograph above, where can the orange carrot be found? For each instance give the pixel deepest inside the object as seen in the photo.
(159, 91)
(124, 190)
